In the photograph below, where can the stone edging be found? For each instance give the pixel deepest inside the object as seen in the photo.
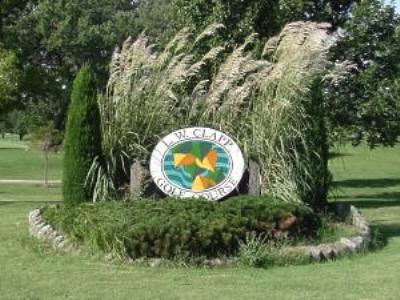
(39, 229)
(42, 231)
(351, 245)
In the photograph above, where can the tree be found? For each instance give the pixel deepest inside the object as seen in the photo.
(157, 19)
(266, 17)
(83, 137)
(9, 79)
(46, 139)
(17, 123)
(365, 103)
(55, 37)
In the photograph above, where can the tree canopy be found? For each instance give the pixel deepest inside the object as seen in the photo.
(163, 18)
(9, 79)
(54, 38)
(366, 103)
(44, 43)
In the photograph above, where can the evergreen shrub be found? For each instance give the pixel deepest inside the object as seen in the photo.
(83, 137)
(174, 228)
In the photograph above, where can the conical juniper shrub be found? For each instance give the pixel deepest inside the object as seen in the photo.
(83, 137)
(184, 228)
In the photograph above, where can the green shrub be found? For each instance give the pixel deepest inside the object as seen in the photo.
(179, 228)
(83, 137)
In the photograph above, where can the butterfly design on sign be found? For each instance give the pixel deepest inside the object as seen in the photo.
(202, 165)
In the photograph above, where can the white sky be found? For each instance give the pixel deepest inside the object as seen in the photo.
(396, 3)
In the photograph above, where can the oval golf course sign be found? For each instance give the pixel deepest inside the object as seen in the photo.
(197, 163)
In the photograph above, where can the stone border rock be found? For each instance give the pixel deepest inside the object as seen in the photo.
(329, 251)
(323, 252)
(42, 231)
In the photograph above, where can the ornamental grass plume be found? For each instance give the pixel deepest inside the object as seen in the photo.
(270, 103)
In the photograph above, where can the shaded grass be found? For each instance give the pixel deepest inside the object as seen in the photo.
(370, 180)
(26, 271)
(372, 183)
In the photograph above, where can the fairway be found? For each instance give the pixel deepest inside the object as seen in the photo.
(19, 161)
(369, 180)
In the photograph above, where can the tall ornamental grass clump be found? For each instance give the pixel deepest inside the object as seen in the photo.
(288, 120)
(83, 137)
(267, 100)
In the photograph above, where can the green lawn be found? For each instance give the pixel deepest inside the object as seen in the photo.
(19, 161)
(370, 180)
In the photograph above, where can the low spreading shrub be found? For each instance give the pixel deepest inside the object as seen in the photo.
(174, 228)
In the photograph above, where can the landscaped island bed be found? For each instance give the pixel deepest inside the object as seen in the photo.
(173, 228)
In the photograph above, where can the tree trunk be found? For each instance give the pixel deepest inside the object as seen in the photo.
(46, 169)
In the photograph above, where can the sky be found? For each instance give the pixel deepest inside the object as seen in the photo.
(396, 3)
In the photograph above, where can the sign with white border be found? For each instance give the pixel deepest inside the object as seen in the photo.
(197, 162)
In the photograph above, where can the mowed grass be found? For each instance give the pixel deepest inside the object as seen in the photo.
(19, 161)
(370, 180)
(28, 193)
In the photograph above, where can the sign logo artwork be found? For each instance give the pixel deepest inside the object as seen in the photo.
(197, 162)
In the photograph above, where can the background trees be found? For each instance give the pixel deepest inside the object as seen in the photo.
(365, 104)
(266, 17)
(9, 80)
(44, 43)
(52, 40)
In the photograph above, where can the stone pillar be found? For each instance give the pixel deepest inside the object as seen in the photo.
(254, 185)
(251, 181)
(139, 179)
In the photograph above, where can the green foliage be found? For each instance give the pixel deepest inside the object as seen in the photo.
(364, 103)
(266, 17)
(46, 139)
(9, 79)
(83, 137)
(258, 252)
(54, 38)
(16, 122)
(157, 19)
(173, 227)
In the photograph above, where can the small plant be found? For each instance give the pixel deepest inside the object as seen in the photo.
(378, 240)
(260, 252)
(257, 251)
(46, 139)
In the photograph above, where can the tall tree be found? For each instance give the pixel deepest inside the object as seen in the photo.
(55, 37)
(365, 104)
(265, 17)
(157, 19)
(9, 80)
(83, 137)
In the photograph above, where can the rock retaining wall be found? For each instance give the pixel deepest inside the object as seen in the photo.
(343, 246)
(42, 231)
